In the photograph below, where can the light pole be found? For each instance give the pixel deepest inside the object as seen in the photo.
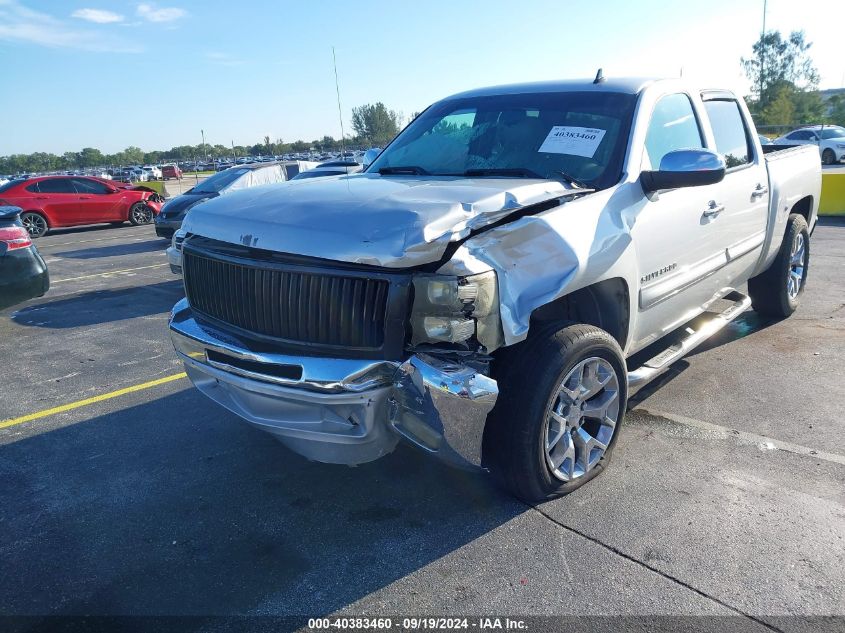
(203, 145)
(762, 51)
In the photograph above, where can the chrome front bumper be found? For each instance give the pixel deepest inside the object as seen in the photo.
(342, 411)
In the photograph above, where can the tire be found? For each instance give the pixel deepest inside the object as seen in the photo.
(828, 157)
(777, 291)
(35, 224)
(140, 214)
(533, 404)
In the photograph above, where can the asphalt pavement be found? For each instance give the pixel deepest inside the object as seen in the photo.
(725, 497)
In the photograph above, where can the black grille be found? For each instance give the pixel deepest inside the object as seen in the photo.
(313, 307)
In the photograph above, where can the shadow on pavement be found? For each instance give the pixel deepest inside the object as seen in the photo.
(175, 507)
(102, 306)
(115, 250)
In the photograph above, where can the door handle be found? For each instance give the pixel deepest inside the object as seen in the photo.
(759, 191)
(713, 209)
(84, 197)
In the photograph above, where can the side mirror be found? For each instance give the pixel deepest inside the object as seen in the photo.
(370, 155)
(110, 189)
(685, 168)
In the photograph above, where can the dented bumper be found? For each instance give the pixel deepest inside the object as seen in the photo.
(344, 411)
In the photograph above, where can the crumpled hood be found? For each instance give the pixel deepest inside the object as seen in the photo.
(388, 221)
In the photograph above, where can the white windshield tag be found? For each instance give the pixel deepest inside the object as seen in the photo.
(575, 141)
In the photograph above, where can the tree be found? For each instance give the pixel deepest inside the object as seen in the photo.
(837, 109)
(780, 111)
(779, 61)
(90, 157)
(133, 155)
(374, 123)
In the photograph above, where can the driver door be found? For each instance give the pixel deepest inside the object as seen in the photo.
(97, 203)
(678, 246)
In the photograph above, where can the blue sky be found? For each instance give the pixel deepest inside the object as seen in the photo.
(110, 74)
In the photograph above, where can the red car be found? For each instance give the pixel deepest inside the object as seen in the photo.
(171, 171)
(57, 201)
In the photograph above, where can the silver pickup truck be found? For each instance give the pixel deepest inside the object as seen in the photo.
(483, 289)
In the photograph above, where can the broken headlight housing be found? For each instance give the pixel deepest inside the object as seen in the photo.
(458, 310)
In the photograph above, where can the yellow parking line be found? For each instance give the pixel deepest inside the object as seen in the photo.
(111, 272)
(81, 403)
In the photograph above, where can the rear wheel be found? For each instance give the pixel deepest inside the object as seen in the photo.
(776, 292)
(35, 223)
(828, 157)
(140, 214)
(561, 403)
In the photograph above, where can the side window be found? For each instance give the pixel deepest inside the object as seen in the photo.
(56, 185)
(730, 131)
(33, 188)
(673, 126)
(89, 186)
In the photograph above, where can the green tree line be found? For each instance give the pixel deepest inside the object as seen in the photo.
(374, 125)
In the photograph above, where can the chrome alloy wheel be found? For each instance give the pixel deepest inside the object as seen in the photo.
(142, 214)
(582, 418)
(797, 264)
(35, 225)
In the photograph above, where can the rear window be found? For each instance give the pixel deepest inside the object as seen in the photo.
(729, 130)
(8, 185)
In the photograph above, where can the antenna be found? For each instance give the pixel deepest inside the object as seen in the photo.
(339, 114)
(599, 77)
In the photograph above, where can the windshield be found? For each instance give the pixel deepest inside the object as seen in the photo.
(832, 132)
(219, 181)
(582, 134)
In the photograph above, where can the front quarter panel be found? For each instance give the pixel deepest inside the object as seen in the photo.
(541, 258)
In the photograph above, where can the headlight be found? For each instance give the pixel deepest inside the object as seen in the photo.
(178, 238)
(840, 146)
(450, 309)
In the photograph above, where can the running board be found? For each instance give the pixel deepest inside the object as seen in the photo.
(654, 367)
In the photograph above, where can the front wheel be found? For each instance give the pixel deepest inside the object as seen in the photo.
(561, 403)
(140, 214)
(828, 157)
(776, 292)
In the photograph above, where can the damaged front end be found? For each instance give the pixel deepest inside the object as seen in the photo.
(336, 410)
(154, 196)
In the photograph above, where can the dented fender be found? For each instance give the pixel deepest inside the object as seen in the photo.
(540, 258)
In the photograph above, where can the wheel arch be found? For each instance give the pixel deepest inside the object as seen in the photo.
(803, 207)
(43, 214)
(605, 304)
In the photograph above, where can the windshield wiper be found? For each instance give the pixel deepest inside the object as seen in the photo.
(405, 169)
(522, 172)
(516, 172)
(572, 181)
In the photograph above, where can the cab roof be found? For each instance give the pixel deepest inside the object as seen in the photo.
(625, 85)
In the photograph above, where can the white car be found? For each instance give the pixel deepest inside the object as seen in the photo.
(153, 171)
(829, 138)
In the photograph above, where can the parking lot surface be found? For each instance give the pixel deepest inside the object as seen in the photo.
(725, 497)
